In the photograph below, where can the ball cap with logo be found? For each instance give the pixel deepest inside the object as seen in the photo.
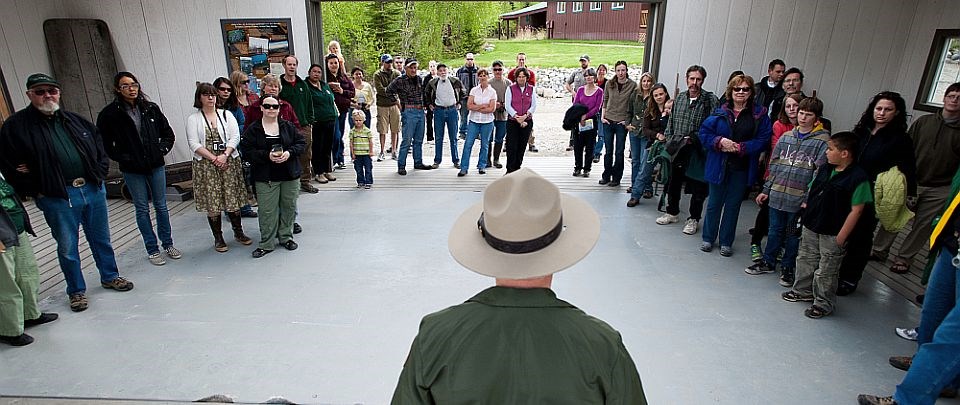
(523, 228)
(37, 79)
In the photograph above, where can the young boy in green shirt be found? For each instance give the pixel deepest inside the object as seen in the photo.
(834, 203)
(360, 146)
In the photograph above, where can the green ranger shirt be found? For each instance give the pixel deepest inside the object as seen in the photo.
(300, 97)
(8, 200)
(71, 163)
(517, 346)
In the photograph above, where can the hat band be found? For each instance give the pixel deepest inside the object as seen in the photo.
(527, 246)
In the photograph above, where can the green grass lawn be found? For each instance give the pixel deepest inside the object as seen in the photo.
(558, 53)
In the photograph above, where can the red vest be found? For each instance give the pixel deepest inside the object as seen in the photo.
(521, 100)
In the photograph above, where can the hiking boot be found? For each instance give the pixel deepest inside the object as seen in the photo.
(863, 399)
(78, 302)
(380, 157)
(496, 163)
(173, 252)
(401, 171)
(156, 260)
(756, 254)
(793, 296)
(44, 317)
(786, 277)
(758, 268)
(647, 195)
(901, 362)
(667, 219)
(307, 188)
(907, 333)
(118, 284)
(22, 340)
(633, 202)
(726, 251)
(238, 234)
(691, 226)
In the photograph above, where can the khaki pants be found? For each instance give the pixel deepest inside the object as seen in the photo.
(19, 283)
(818, 269)
(307, 132)
(930, 200)
(388, 120)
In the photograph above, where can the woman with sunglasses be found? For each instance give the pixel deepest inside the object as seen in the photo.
(213, 136)
(227, 99)
(733, 136)
(241, 84)
(137, 136)
(272, 146)
(884, 144)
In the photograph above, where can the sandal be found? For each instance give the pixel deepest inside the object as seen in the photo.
(899, 266)
(815, 312)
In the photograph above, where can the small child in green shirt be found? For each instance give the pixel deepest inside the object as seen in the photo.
(838, 194)
(360, 146)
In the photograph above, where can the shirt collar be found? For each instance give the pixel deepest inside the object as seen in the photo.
(520, 297)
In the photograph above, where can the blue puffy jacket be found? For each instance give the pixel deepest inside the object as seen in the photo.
(718, 125)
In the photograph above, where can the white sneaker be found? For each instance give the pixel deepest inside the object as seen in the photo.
(173, 252)
(667, 219)
(907, 333)
(156, 259)
(691, 226)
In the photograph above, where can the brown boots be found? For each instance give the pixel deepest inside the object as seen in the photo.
(216, 225)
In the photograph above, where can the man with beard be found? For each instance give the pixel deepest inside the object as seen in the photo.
(58, 157)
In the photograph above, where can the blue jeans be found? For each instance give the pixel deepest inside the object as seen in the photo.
(445, 117)
(363, 164)
(85, 205)
(464, 113)
(614, 136)
(723, 208)
(937, 362)
(781, 234)
(499, 131)
(146, 188)
(638, 163)
(598, 147)
(412, 129)
(338, 137)
(473, 130)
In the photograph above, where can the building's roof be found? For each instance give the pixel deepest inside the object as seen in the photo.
(541, 6)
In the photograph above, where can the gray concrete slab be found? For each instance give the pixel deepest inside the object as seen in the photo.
(332, 321)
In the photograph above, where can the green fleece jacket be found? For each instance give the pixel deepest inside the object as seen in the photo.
(936, 145)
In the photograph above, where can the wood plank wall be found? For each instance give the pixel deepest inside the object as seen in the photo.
(621, 25)
(849, 50)
(168, 44)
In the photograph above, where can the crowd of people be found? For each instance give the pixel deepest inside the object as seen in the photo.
(822, 194)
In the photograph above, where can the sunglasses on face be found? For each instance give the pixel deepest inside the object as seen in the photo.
(497, 69)
(53, 91)
(270, 106)
(245, 82)
(225, 89)
(741, 89)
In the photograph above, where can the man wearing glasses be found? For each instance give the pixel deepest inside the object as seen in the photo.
(58, 157)
(468, 77)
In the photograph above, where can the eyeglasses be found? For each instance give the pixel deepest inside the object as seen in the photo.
(952, 97)
(225, 89)
(53, 91)
(741, 89)
(129, 86)
(270, 106)
(208, 95)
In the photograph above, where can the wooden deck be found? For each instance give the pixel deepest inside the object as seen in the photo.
(125, 235)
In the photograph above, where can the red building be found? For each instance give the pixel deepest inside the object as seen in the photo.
(616, 20)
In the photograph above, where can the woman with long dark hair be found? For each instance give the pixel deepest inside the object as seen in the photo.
(734, 136)
(884, 143)
(324, 126)
(601, 83)
(654, 123)
(343, 92)
(590, 96)
(137, 135)
(227, 100)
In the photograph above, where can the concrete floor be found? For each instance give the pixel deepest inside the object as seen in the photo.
(332, 321)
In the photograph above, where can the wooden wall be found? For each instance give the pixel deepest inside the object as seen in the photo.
(168, 44)
(848, 50)
(623, 25)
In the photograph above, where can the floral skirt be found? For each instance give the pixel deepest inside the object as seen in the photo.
(217, 190)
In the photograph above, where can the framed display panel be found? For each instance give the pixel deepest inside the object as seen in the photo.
(256, 46)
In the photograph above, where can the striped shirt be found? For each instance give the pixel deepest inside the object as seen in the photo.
(360, 139)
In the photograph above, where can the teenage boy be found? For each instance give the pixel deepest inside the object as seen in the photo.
(795, 160)
(833, 205)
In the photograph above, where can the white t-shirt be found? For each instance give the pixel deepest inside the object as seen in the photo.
(482, 97)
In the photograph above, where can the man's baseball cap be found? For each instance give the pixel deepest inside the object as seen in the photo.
(497, 62)
(386, 58)
(585, 57)
(411, 61)
(469, 55)
(37, 79)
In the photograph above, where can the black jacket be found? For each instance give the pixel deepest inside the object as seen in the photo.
(767, 97)
(256, 149)
(888, 148)
(26, 139)
(571, 118)
(828, 202)
(136, 153)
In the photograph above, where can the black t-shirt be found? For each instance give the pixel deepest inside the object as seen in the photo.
(741, 131)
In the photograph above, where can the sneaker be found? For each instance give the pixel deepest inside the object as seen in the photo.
(156, 260)
(340, 166)
(402, 171)
(596, 159)
(258, 253)
(726, 251)
(359, 186)
(119, 284)
(845, 288)
(907, 333)
(533, 148)
(793, 296)
(435, 166)
(901, 362)
(380, 157)
(756, 254)
(569, 148)
(576, 173)
(456, 165)
(393, 156)
(481, 171)
(863, 399)
(45, 317)
(367, 186)
(173, 253)
(758, 268)
(706, 246)
(21, 340)
(633, 202)
(691, 226)
(667, 219)
(78, 302)
(786, 278)
(815, 312)
(586, 173)
(290, 245)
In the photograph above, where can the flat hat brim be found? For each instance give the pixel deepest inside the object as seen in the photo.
(580, 234)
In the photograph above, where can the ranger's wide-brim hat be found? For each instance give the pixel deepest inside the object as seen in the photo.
(523, 228)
